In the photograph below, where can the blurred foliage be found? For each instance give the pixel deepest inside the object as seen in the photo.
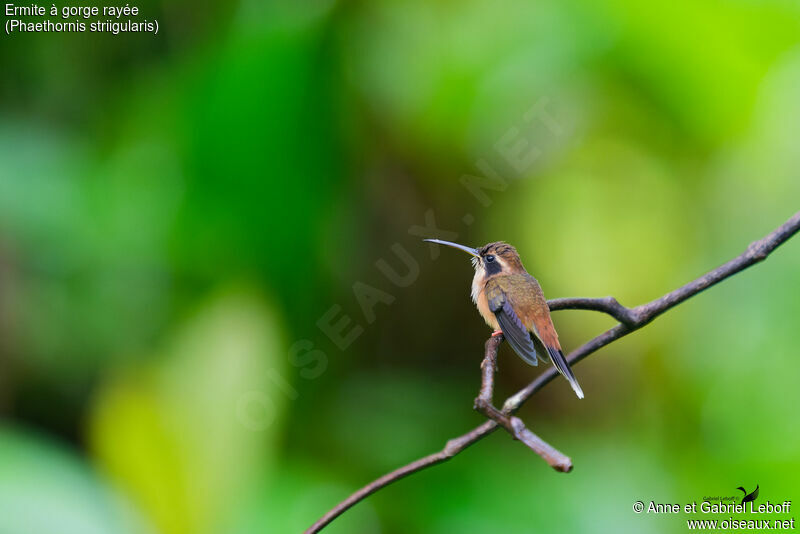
(44, 488)
(188, 438)
(180, 213)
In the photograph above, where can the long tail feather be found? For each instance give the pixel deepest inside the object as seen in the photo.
(563, 367)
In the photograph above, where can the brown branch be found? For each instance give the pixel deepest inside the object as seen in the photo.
(514, 425)
(451, 448)
(630, 319)
(607, 305)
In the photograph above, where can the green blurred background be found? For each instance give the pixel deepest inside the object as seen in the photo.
(180, 213)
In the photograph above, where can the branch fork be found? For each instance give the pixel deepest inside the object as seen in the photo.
(513, 425)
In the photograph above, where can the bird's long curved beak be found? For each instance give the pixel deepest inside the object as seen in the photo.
(468, 250)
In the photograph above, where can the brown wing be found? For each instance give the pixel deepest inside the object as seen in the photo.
(513, 329)
(534, 314)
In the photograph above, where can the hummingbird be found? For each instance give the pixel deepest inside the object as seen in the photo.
(512, 303)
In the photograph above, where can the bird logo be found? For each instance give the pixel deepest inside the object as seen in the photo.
(748, 497)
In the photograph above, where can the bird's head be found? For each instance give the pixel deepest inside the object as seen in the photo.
(492, 259)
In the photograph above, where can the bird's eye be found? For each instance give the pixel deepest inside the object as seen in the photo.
(489, 258)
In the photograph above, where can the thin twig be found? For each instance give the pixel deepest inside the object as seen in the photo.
(607, 305)
(630, 319)
(488, 368)
(451, 448)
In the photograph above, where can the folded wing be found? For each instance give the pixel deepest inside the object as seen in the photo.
(514, 331)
